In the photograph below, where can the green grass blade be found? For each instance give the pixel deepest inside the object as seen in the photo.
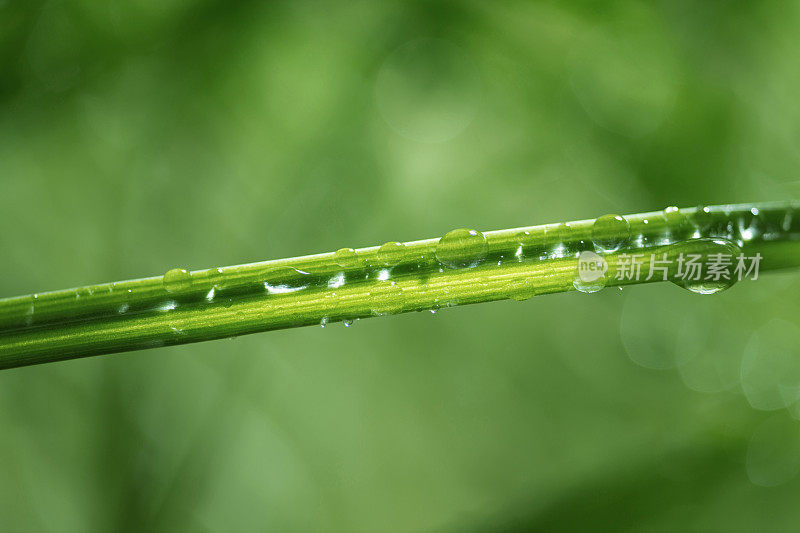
(518, 263)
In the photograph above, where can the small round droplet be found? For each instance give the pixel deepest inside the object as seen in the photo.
(590, 273)
(346, 258)
(176, 280)
(348, 322)
(213, 277)
(610, 232)
(589, 287)
(391, 253)
(531, 243)
(560, 241)
(461, 248)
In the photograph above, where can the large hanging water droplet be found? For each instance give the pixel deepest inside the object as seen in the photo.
(391, 253)
(610, 232)
(461, 248)
(177, 280)
(346, 258)
(709, 280)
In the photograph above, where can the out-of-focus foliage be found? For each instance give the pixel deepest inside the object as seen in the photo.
(140, 136)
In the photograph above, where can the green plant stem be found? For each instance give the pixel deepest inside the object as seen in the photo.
(230, 301)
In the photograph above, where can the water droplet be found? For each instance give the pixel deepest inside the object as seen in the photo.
(610, 232)
(708, 283)
(791, 220)
(283, 280)
(323, 322)
(750, 225)
(391, 253)
(177, 280)
(347, 258)
(213, 277)
(590, 273)
(336, 281)
(31, 310)
(531, 243)
(706, 287)
(461, 248)
(589, 287)
(169, 305)
(348, 322)
(556, 237)
(432, 311)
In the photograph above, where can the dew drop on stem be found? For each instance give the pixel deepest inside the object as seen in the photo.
(177, 280)
(610, 232)
(461, 248)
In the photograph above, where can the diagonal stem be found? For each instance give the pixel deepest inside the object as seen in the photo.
(461, 268)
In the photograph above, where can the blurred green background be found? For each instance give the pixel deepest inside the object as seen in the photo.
(144, 135)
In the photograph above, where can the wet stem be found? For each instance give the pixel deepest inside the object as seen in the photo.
(463, 267)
